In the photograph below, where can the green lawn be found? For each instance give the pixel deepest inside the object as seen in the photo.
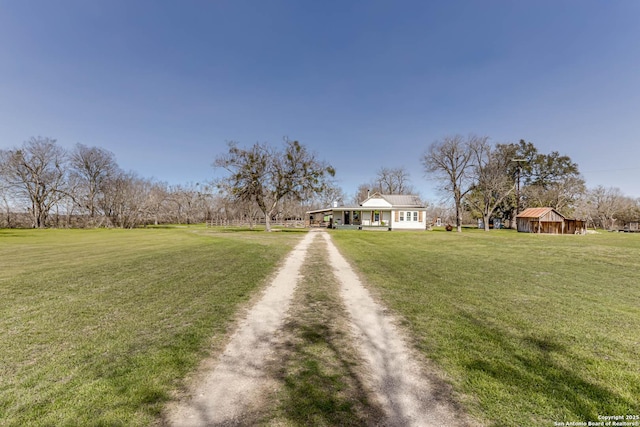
(97, 327)
(531, 329)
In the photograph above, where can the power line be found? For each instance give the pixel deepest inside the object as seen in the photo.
(612, 170)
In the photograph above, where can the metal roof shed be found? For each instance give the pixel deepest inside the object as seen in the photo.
(541, 220)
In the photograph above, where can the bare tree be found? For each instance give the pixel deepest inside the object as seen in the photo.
(393, 181)
(190, 202)
(266, 175)
(156, 203)
(606, 205)
(630, 210)
(5, 194)
(206, 200)
(331, 194)
(179, 197)
(247, 211)
(91, 170)
(560, 195)
(37, 172)
(364, 191)
(125, 199)
(387, 181)
(493, 184)
(451, 162)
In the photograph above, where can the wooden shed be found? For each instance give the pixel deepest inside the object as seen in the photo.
(575, 226)
(541, 220)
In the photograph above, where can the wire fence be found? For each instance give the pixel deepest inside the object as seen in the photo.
(218, 222)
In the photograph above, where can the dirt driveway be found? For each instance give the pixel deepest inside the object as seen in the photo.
(239, 383)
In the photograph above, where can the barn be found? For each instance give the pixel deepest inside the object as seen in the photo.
(548, 221)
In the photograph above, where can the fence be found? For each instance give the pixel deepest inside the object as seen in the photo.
(245, 223)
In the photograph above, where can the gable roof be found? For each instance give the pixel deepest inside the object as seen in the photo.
(537, 213)
(403, 200)
(397, 200)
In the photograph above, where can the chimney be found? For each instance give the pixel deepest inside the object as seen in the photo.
(368, 195)
(335, 203)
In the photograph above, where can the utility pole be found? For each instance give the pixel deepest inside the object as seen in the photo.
(519, 162)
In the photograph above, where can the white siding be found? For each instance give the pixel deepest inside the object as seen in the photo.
(376, 202)
(420, 224)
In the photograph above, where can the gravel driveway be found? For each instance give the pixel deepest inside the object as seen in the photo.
(238, 381)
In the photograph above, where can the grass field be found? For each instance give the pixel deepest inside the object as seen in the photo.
(97, 327)
(531, 329)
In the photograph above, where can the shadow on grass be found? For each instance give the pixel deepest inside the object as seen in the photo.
(293, 230)
(21, 234)
(533, 364)
(316, 394)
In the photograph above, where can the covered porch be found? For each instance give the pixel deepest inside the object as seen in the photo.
(355, 217)
(361, 218)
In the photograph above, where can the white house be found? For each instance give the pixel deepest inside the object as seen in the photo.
(378, 211)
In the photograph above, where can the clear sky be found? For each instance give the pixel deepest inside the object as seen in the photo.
(364, 84)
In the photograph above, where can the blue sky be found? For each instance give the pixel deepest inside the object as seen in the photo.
(364, 84)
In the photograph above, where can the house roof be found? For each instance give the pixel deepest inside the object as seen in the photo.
(402, 200)
(398, 200)
(395, 200)
(536, 213)
(337, 208)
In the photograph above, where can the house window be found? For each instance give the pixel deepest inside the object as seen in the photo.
(415, 216)
(401, 216)
(408, 216)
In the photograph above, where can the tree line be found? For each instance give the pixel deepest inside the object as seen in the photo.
(44, 185)
(500, 180)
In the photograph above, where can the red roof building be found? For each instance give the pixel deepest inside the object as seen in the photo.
(548, 221)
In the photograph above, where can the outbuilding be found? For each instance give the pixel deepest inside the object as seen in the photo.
(548, 221)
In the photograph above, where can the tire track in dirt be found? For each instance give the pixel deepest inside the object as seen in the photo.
(408, 396)
(241, 388)
(227, 393)
(317, 368)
